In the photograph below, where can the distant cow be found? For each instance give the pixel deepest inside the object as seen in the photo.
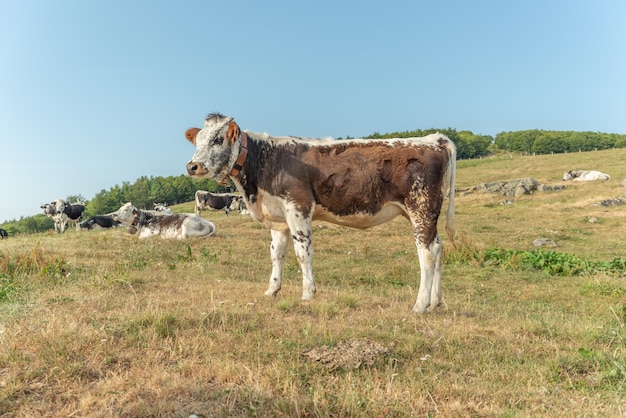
(3, 234)
(162, 209)
(583, 175)
(62, 213)
(148, 224)
(287, 182)
(60, 219)
(238, 205)
(217, 201)
(99, 221)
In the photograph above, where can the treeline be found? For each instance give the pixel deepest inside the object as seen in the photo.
(144, 193)
(147, 191)
(468, 145)
(554, 142)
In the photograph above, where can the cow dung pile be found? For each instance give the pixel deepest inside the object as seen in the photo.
(350, 354)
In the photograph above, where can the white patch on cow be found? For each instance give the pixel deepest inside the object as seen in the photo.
(431, 140)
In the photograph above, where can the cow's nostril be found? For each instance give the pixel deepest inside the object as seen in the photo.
(192, 168)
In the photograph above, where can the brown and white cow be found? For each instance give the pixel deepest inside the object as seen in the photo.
(288, 182)
(148, 224)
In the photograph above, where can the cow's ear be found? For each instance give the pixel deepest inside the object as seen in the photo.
(191, 134)
(233, 132)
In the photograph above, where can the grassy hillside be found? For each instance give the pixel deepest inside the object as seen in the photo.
(98, 323)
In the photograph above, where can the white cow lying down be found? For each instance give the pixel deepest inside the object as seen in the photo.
(584, 175)
(148, 223)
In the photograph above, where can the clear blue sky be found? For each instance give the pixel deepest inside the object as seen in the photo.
(93, 94)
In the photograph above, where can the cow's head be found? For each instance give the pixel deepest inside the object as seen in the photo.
(59, 205)
(125, 214)
(235, 204)
(48, 209)
(217, 147)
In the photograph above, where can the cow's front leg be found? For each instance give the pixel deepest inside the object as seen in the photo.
(278, 249)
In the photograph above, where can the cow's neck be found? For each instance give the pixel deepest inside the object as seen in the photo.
(241, 158)
(143, 219)
(246, 179)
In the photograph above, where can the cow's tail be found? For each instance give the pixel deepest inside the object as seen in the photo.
(450, 183)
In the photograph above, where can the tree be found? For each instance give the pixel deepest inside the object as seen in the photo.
(549, 143)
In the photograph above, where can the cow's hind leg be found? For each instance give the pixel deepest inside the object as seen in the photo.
(436, 251)
(430, 259)
(278, 249)
(429, 250)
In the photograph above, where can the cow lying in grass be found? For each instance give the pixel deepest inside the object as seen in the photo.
(288, 182)
(148, 224)
(583, 175)
(99, 221)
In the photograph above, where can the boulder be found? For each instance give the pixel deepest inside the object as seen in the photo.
(544, 242)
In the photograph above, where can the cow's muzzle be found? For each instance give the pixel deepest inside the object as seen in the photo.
(196, 169)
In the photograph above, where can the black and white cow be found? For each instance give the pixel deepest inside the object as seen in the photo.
(148, 224)
(216, 201)
(288, 182)
(62, 213)
(3, 234)
(60, 219)
(238, 205)
(99, 221)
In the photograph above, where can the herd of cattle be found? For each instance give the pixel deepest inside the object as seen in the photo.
(63, 212)
(146, 223)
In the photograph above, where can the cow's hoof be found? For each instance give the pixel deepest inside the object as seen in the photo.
(420, 309)
(271, 292)
(433, 305)
(308, 296)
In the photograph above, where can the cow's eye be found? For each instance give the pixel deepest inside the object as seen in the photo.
(218, 140)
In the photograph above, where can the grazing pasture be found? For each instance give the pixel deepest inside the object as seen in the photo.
(100, 323)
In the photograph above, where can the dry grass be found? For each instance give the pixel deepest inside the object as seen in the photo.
(101, 324)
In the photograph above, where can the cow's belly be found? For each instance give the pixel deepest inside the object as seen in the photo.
(360, 220)
(271, 211)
